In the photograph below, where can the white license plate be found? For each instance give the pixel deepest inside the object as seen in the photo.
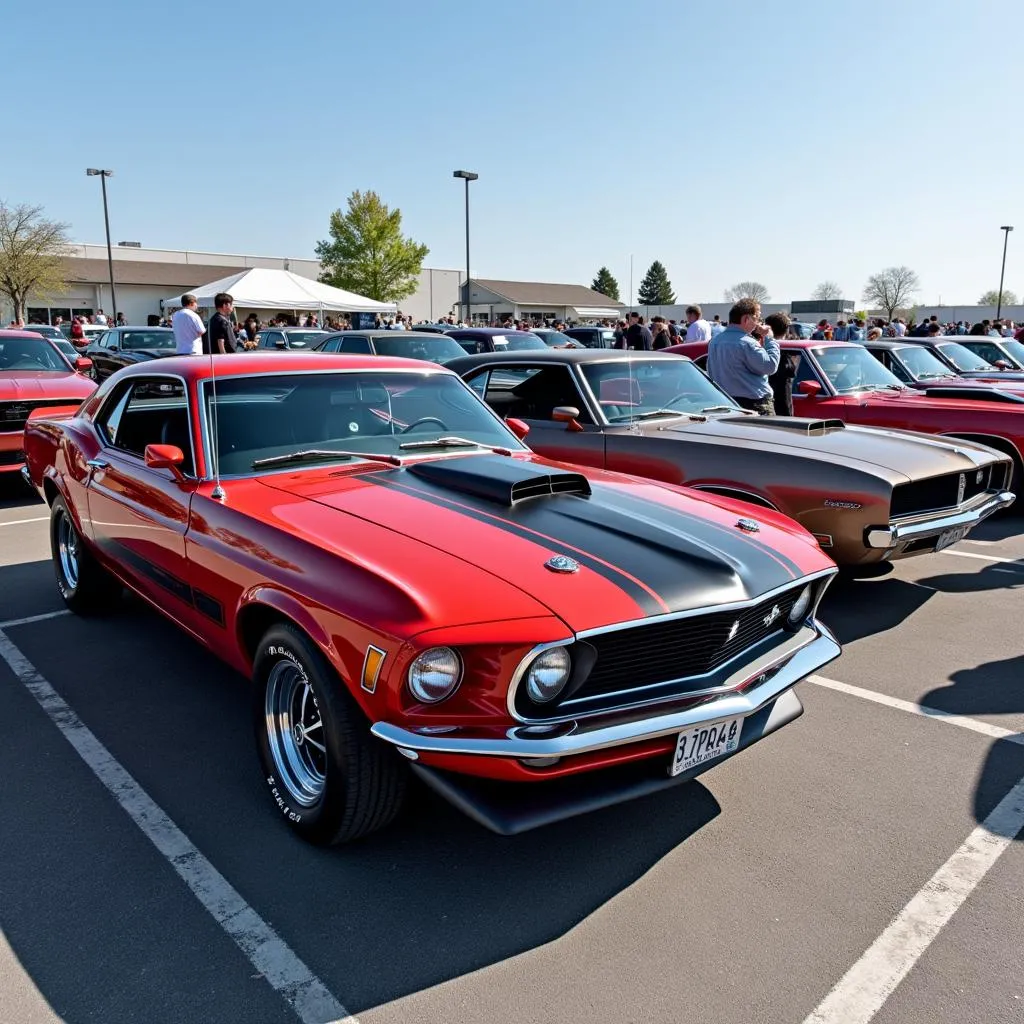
(950, 537)
(705, 743)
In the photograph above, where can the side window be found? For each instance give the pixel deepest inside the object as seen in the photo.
(479, 383)
(333, 345)
(355, 345)
(149, 412)
(987, 350)
(895, 367)
(270, 339)
(532, 393)
(103, 340)
(804, 369)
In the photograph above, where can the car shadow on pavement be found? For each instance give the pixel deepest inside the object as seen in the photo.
(858, 608)
(431, 898)
(1005, 576)
(994, 688)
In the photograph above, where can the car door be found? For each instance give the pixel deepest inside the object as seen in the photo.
(825, 403)
(139, 516)
(531, 393)
(98, 350)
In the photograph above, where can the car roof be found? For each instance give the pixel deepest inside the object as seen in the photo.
(489, 330)
(142, 327)
(399, 335)
(305, 330)
(33, 335)
(242, 364)
(562, 355)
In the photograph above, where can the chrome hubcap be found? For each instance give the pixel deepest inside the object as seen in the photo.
(67, 547)
(296, 735)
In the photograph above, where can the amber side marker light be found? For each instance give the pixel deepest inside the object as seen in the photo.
(372, 664)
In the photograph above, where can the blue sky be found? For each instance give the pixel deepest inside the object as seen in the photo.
(786, 142)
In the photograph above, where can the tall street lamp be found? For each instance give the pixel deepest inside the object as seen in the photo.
(1006, 229)
(103, 175)
(467, 176)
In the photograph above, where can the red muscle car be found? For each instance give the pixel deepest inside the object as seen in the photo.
(842, 379)
(34, 374)
(412, 589)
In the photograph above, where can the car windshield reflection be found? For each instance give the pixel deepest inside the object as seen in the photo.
(923, 364)
(853, 368)
(963, 358)
(629, 389)
(266, 416)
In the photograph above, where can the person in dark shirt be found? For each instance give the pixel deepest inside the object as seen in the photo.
(220, 335)
(781, 381)
(638, 336)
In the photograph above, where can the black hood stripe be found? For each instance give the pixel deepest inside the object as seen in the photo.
(633, 505)
(647, 599)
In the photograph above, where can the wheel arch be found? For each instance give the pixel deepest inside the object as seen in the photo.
(264, 608)
(737, 493)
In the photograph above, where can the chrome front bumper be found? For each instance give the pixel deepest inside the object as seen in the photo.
(816, 647)
(921, 529)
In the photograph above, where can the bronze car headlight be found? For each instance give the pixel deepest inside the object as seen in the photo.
(435, 674)
(547, 675)
(801, 606)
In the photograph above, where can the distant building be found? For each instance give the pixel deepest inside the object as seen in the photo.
(537, 302)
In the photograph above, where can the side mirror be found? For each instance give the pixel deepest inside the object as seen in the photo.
(83, 364)
(569, 415)
(810, 388)
(518, 427)
(165, 456)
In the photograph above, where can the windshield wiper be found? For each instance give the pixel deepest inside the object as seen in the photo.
(721, 408)
(453, 442)
(314, 454)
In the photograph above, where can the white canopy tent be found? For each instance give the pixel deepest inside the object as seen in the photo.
(260, 288)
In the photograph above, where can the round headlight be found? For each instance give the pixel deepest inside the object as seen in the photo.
(435, 674)
(548, 674)
(800, 606)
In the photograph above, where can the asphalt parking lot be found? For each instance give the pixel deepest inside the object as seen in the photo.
(865, 863)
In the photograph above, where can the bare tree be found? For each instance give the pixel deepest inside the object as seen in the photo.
(32, 251)
(891, 288)
(827, 290)
(747, 290)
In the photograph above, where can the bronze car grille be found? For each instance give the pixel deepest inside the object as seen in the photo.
(943, 492)
(679, 654)
(14, 415)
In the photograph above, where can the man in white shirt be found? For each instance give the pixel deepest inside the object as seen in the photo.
(100, 318)
(699, 329)
(188, 328)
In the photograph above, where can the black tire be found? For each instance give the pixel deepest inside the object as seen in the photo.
(357, 784)
(86, 587)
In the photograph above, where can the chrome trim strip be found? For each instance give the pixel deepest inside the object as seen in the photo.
(902, 532)
(598, 736)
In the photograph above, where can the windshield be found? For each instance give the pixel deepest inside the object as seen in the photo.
(30, 354)
(963, 358)
(923, 363)
(631, 388)
(556, 339)
(438, 348)
(1015, 349)
(147, 339)
(45, 330)
(853, 368)
(517, 341)
(304, 339)
(268, 415)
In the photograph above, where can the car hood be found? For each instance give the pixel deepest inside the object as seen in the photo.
(921, 399)
(894, 454)
(642, 549)
(33, 385)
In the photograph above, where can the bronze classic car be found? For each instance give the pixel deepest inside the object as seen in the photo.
(866, 494)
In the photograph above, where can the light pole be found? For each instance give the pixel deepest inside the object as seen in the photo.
(103, 175)
(1006, 229)
(467, 176)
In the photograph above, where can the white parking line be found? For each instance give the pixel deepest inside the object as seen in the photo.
(19, 522)
(984, 558)
(986, 728)
(283, 970)
(865, 987)
(34, 618)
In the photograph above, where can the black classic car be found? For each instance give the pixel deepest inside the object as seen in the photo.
(434, 348)
(593, 337)
(281, 338)
(495, 339)
(126, 346)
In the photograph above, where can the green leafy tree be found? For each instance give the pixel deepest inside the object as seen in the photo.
(991, 298)
(747, 290)
(891, 288)
(606, 284)
(827, 290)
(32, 251)
(367, 253)
(655, 288)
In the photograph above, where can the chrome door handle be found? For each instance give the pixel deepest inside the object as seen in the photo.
(98, 464)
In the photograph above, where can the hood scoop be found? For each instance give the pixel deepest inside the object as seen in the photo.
(499, 479)
(809, 428)
(971, 394)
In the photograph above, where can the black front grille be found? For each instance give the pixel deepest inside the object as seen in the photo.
(14, 415)
(940, 492)
(680, 648)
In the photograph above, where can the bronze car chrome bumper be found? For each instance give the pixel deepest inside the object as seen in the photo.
(815, 647)
(901, 533)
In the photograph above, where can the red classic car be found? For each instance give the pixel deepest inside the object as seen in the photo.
(409, 587)
(842, 379)
(34, 374)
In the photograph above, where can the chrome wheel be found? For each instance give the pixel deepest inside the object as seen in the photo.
(67, 548)
(296, 735)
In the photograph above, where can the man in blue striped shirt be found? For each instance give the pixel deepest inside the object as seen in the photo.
(741, 358)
